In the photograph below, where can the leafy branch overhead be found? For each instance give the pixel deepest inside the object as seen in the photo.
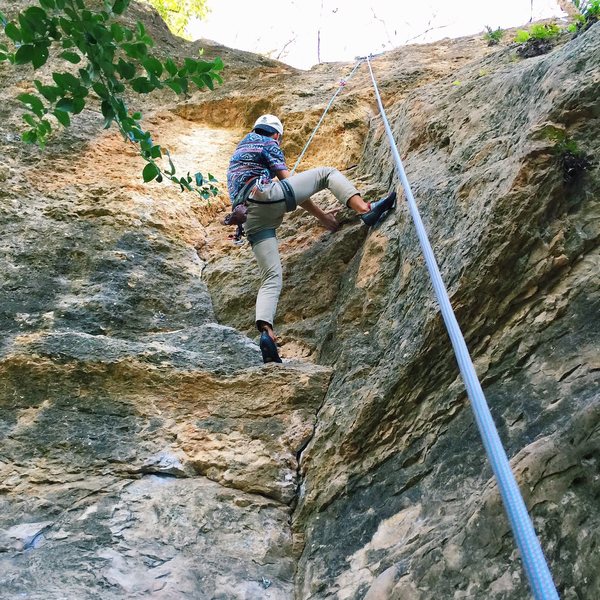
(103, 59)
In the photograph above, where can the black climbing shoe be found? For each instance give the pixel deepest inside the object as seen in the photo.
(378, 209)
(268, 349)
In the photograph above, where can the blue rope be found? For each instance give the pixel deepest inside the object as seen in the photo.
(312, 135)
(536, 568)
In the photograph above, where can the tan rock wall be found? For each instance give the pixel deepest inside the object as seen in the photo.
(147, 452)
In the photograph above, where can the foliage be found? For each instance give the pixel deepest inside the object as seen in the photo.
(542, 32)
(177, 13)
(493, 36)
(573, 161)
(104, 60)
(589, 13)
(588, 8)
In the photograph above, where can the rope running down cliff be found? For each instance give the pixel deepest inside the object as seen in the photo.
(534, 561)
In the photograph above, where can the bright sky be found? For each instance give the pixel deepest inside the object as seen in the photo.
(289, 30)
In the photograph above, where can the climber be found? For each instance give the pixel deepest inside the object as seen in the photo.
(260, 201)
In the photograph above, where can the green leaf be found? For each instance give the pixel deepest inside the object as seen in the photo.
(78, 105)
(156, 152)
(13, 32)
(62, 117)
(199, 179)
(50, 92)
(30, 137)
(80, 92)
(27, 31)
(33, 102)
(66, 105)
(218, 64)
(108, 112)
(153, 66)
(136, 50)
(45, 127)
(171, 67)
(126, 70)
(3, 19)
(66, 25)
(183, 82)
(85, 76)
(100, 89)
(72, 57)
(120, 6)
(208, 81)
(174, 85)
(117, 32)
(212, 178)
(142, 85)
(49, 4)
(36, 19)
(191, 65)
(28, 118)
(150, 172)
(204, 67)
(522, 36)
(40, 56)
(171, 165)
(25, 54)
(66, 81)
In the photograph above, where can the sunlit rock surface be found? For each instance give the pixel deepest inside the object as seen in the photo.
(147, 452)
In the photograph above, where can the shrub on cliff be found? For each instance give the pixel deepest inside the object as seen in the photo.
(114, 59)
(493, 36)
(589, 14)
(538, 40)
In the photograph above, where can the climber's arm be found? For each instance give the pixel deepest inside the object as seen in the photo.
(327, 219)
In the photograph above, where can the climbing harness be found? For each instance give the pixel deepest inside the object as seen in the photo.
(534, 561)
(341, 86)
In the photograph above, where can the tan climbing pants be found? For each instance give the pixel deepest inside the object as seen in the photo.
(263, 217)
(305, 185)
(271, 280)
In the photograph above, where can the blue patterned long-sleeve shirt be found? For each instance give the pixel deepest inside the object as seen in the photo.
(256, 157)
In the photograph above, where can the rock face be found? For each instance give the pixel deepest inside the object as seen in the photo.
(147, 452)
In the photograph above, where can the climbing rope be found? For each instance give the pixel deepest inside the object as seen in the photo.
(341, 86)
(534, 561)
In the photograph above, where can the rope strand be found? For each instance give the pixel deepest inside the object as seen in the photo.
(341, 86)
(535, 564)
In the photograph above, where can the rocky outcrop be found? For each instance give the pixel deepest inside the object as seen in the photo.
(146, 450)
(396, 457)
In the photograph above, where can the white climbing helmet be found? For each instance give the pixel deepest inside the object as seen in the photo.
(269, 122)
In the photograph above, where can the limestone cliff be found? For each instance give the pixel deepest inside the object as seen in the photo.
(147, 452)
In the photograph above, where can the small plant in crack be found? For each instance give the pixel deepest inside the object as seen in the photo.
(493, 36)
(573, 161)
(540, 39)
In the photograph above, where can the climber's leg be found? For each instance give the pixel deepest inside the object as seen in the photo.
(269, 267)
(314, 180)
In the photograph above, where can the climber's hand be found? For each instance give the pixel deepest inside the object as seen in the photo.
(328, 220)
